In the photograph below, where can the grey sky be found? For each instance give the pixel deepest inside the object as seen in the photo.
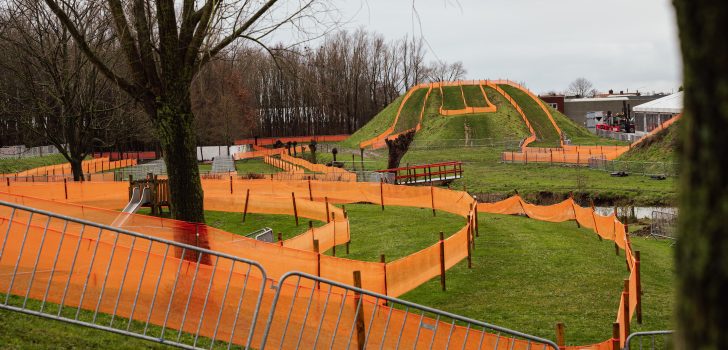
(617, 44)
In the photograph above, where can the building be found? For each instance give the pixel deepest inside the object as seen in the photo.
(648, 116)
(555, 101)
(577, 108)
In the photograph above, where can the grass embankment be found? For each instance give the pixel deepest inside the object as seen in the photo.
(453, 98)
(410, 115)
(578, 134)
(528, 275)
(659, 148)
(9, 166)
(374, 127)
(546, 134)
(473, 96)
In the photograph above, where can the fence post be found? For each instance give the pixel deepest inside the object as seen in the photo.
(360, 328)
(383, 260)
(615, 336)
(470, 252)
(326, 201)
(7, 181)
(65, 188)
(295, 209)
(231, 184)
(333, 218)
(442, 261)
(245, 210)
(310, 194)
(381, 192)
(280, 239)
(616, 247)
(560, 335)
(625, 311)
(432, 196)
(638, 286)
(594, 218)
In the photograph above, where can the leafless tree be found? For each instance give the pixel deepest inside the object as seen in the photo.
(51, 90)
(443, 71)
(580, 87)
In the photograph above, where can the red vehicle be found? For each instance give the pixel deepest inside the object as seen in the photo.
(616, 123)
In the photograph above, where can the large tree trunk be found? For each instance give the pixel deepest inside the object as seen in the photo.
(77, 168)
(174, 121)
(702, 250)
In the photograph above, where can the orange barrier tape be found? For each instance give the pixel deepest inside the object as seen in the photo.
(489, 108)
(263, 141)
(59, 172)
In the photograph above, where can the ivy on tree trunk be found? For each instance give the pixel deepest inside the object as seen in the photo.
(702, 248)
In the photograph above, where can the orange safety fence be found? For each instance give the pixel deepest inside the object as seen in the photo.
(263, 141)
(343, 174)
(489, 108)
(59, 172)
(607, 227)
(379, 139)
(285, 166)
(218, 197)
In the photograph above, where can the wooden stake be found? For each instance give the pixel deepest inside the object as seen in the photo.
(326, 201)
(333, 218)
(247, 197)
(231, 184)
(295, 209)
(638, 286)
(7, 181)
(442, 261)
(65, 188)
(615, 336)
(560, 335)
(318, 260)
(280, 239)
(383, 260)
(432, 195)
(625, 312)
(359, 310)
(470, 253)
(310, 194)
(381, 193)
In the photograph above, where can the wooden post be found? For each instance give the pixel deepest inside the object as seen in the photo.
(318, 260)
(333, 248)
(231, 184)
(360, 328)
(247, 197)
(7, 181)
(638, 286)
(594, 218)
(470, 252)
(477, 224)
(65, 188)
(615, 336)
(625, 311)
(383, 260)
(280, 239)
(361, 156)
(432, 195)
(310, 194)
(381, 193)
(560, 335)
(442, 261)
(295, 209)
(470, 231)
(326, 201)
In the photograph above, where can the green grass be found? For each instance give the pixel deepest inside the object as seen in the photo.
(473, 96)
(374, 127)
(8, 166)
(247, 166)
(659, 148)
(453, 98)
(395, 232)
(546, 134)
(410, 114)
(528, 275)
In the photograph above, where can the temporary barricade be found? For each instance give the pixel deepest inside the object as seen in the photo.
(651, 340)
(93, 170)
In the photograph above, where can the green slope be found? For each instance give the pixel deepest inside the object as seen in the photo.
(453, 98)
(546, 134)
(374, 127)
(473, 96)
(9, 166)
(410, 115)
(661, 147)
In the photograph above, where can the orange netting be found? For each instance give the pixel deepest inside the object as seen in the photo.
(59, 172)
(263, 141)
(489, 108)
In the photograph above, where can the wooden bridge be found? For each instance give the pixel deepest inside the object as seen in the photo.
(435, 173)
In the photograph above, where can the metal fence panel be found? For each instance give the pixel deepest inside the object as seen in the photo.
(311, 312)
(106, 278)
(663, 225)
(653, 340)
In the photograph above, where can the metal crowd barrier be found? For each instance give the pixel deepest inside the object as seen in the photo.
(654, 340)
(58, 267)
(308, 324)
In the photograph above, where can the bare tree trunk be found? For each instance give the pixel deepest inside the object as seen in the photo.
(77, 168)
(702, 250)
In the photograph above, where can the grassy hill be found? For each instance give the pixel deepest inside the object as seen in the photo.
(374, 127)
(410, 115)
(659, 148)
(453, 97)
(473, 96)
(546, 134)
(9, 166)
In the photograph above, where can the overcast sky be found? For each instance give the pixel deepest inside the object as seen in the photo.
(617, 44)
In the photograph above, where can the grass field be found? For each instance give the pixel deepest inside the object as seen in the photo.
(410, 115)
(546, 134)
(528, 275)
(8, 166)
(374, 127)
(473, 96)
(453, 98)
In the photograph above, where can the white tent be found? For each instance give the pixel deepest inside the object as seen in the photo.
(672, 104)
